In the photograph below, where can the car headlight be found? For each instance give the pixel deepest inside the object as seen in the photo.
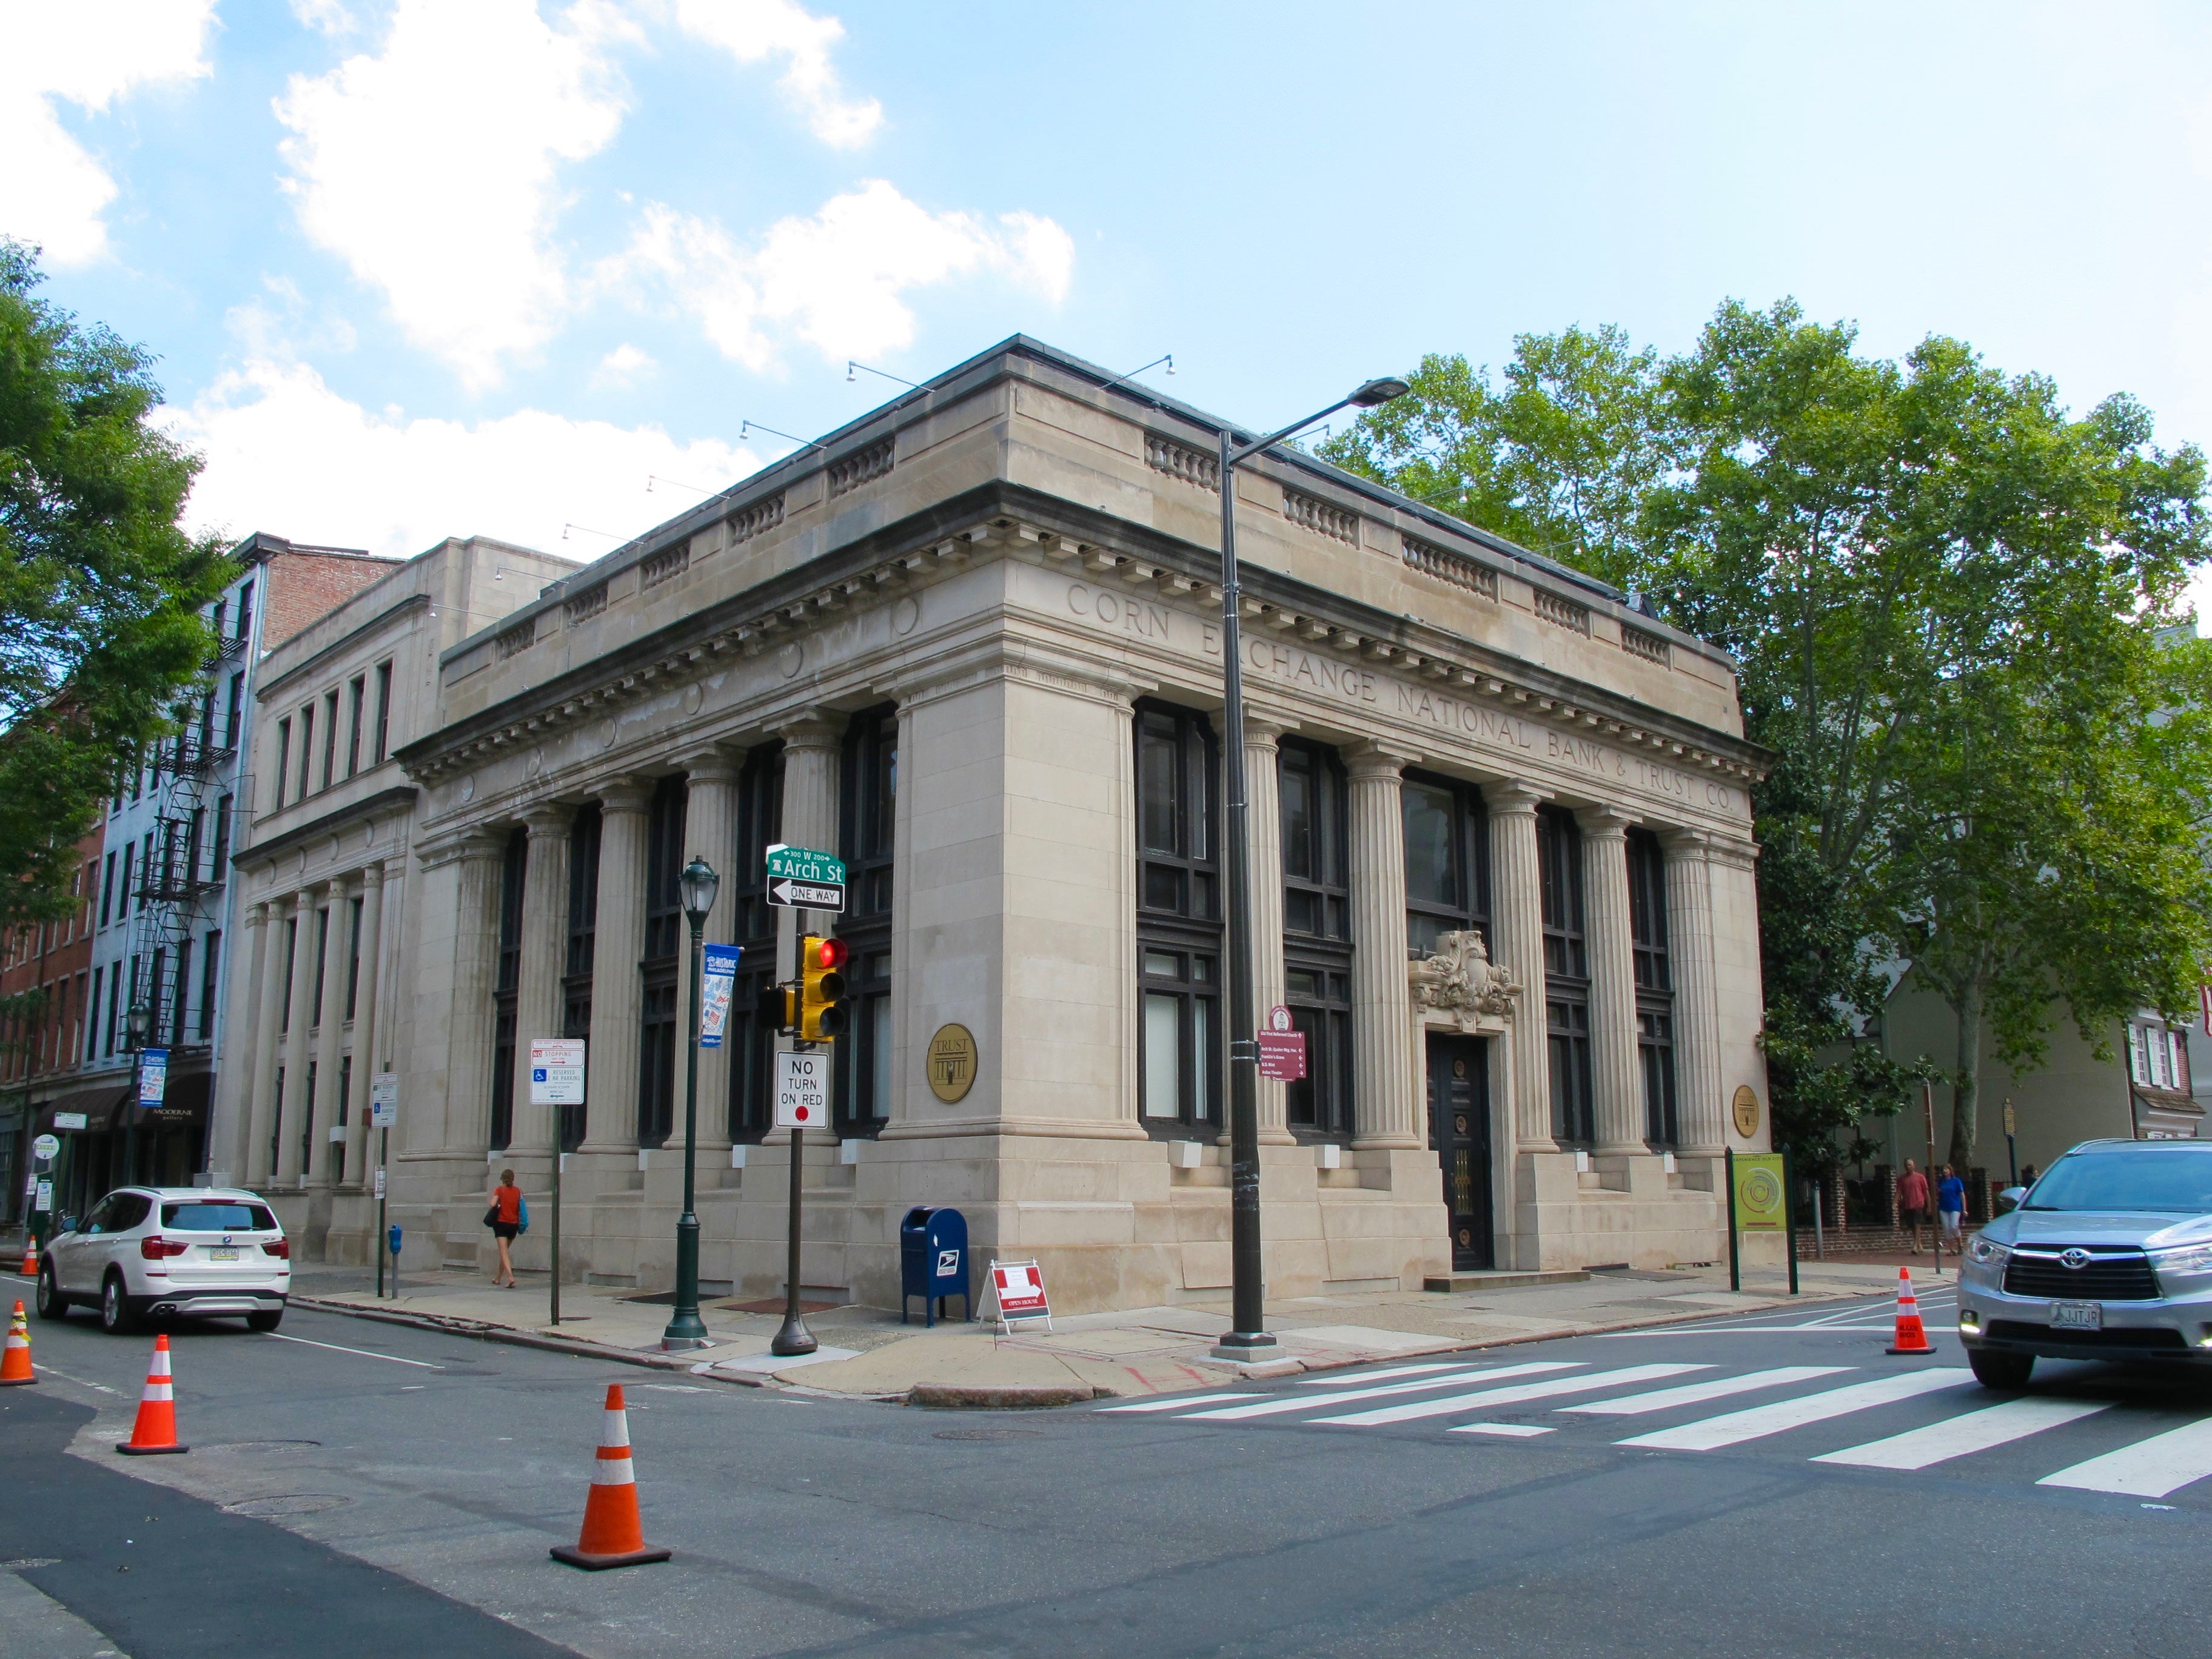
(1987, 1251)
(2190, 1259)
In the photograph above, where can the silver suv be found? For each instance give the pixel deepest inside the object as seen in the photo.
(2107, 1256)
(160, 1251)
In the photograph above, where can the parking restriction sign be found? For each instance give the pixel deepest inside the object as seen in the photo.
(802, 1090)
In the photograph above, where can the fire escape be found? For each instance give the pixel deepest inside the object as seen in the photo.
(184, 870)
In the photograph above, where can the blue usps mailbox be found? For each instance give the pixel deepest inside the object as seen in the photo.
(933, 1262)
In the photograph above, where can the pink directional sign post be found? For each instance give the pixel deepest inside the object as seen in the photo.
(1282, 1049)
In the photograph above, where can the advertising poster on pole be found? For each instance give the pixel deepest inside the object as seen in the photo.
(716, 988)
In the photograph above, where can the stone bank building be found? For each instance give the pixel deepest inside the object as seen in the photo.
(1502, 864)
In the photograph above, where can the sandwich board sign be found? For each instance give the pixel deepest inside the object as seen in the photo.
(1019, 1288)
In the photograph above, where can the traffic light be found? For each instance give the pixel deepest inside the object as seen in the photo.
(821, 988)
(777, 1011)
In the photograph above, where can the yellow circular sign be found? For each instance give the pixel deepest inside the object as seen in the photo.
(951, 1062)
(1747, 1111)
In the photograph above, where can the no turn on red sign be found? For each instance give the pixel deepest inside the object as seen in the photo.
(802, 1090)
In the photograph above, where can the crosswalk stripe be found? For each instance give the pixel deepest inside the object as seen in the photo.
(1690, 1394)
(1969, 1431)
(1708, 1434)
(1174, 1402)
(1374, 1376)
(1300, 1402)
(1515, 1430)
(2149, 1469)
(1461, 1402)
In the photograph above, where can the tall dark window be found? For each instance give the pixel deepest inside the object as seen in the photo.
(664, 935)
(1179, 1040)
(246, 610)
(92, 1018)
(306, 750)
(383, 710)
(211, 959)
(330, 739)
(1447, 861)
(1655, 987)
(576, 965)
(235, 712)
(1317, 933)
(353, 954)
(870, 800)
(177, 1005)
(322, 941)
(506, 989)
(219, 860)
(1566, 977)
(752, 922)
(283, 759)
(356, 695)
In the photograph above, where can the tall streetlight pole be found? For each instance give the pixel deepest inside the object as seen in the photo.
(685, 1328)
(137, 1025)
(1247, 1337)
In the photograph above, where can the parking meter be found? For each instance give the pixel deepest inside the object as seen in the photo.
(394, 1238)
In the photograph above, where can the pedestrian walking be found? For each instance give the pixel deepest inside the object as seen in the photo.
(1912, 1201)
(506, 1217)
(1950, 1210)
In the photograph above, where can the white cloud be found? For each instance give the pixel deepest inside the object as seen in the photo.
(287, 454)
(430, 169)
(752, 30)
(625, 366)
(90, 52)
(327, 16)
(837, 279)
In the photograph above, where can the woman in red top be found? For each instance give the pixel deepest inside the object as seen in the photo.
(505, 1221)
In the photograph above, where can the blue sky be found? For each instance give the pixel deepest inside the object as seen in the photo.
(416, 267)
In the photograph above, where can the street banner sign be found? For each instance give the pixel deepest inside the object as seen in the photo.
(718, 984)
(1282, 1048)
(69, 1119)
(1019, 1288)
(557, 1071)
(384, 1100)
(153, 1076)
(46, 1146)
(801, 878)
(1760, 1206)
(802, 1090)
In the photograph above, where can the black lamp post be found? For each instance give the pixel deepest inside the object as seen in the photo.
(685, 1328)
(1247, 1337)
(137, 1023)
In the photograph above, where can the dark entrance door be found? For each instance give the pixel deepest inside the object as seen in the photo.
(1459, 1128)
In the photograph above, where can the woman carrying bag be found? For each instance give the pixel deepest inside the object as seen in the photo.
(508, 1217)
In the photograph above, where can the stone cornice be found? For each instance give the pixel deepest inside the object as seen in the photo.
(367, 807)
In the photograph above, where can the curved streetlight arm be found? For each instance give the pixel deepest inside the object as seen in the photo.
(1237, 457)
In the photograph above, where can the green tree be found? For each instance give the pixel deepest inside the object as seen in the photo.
(101, 588)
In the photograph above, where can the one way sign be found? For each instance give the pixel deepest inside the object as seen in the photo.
(805, 895)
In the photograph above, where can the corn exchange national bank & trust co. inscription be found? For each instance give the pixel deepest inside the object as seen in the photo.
(1154, 622)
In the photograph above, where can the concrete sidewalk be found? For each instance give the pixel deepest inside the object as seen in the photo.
(867, 1352)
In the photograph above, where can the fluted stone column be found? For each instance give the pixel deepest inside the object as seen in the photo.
(710, 816)
(1263, 790)
(537, 992)
(1615, 1078)
(617, 993)
(812, 747)
(242, 1038)
(475, 980)
(269, 1041)
(1696, 1004)
(330, 1026)
(1386, 1111)
(292, 1109)
(365, 1057)
(1516, 931)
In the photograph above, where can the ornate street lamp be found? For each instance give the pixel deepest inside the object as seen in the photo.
(137, 1024)
(685, 1328)
(1248, 1338)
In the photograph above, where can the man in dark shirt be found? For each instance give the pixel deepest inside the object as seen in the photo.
(1912, 1201)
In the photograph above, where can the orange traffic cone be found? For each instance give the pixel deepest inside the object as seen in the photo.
(1911, 1336)
(613, 1535)
(30, 1267)
(155, 1429)
(15, 1362)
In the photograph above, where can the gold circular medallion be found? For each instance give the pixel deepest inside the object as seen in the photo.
(1747, 1111)
(951, 1062)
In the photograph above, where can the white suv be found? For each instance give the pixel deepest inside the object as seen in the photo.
(156, 1250)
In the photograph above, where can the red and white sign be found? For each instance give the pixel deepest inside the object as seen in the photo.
(802, 1090)
(1282, 1046)
(1019, 1286)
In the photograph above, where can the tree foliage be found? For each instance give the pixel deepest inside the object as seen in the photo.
(99, 586)
(1945, 594)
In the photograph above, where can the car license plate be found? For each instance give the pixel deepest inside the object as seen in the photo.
(223, 1255)
(2077, 1317)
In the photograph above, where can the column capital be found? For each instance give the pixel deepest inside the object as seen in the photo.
(257, 913)
(1680, 842)
(624, 794)
(341, 886)
(1373, 762)
(1733, 851)
(715, 763)
(1603, 822)
(1510, 798)
(813, 728)
(552, 820)
(372, 875)
(1265, 727)
(477, 842)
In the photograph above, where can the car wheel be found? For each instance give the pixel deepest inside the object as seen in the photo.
(265, 1321)
(52, 1304)
(2001, 1370)
(115, 1316)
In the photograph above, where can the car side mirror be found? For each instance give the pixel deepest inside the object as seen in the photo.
(2009, 1198)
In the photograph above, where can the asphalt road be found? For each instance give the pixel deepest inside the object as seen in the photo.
(415, 1481)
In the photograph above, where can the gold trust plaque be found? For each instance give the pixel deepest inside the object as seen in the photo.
(951, 1062)
(1747, 1111)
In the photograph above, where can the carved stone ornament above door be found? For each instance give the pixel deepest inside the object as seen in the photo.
(1460, 983)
